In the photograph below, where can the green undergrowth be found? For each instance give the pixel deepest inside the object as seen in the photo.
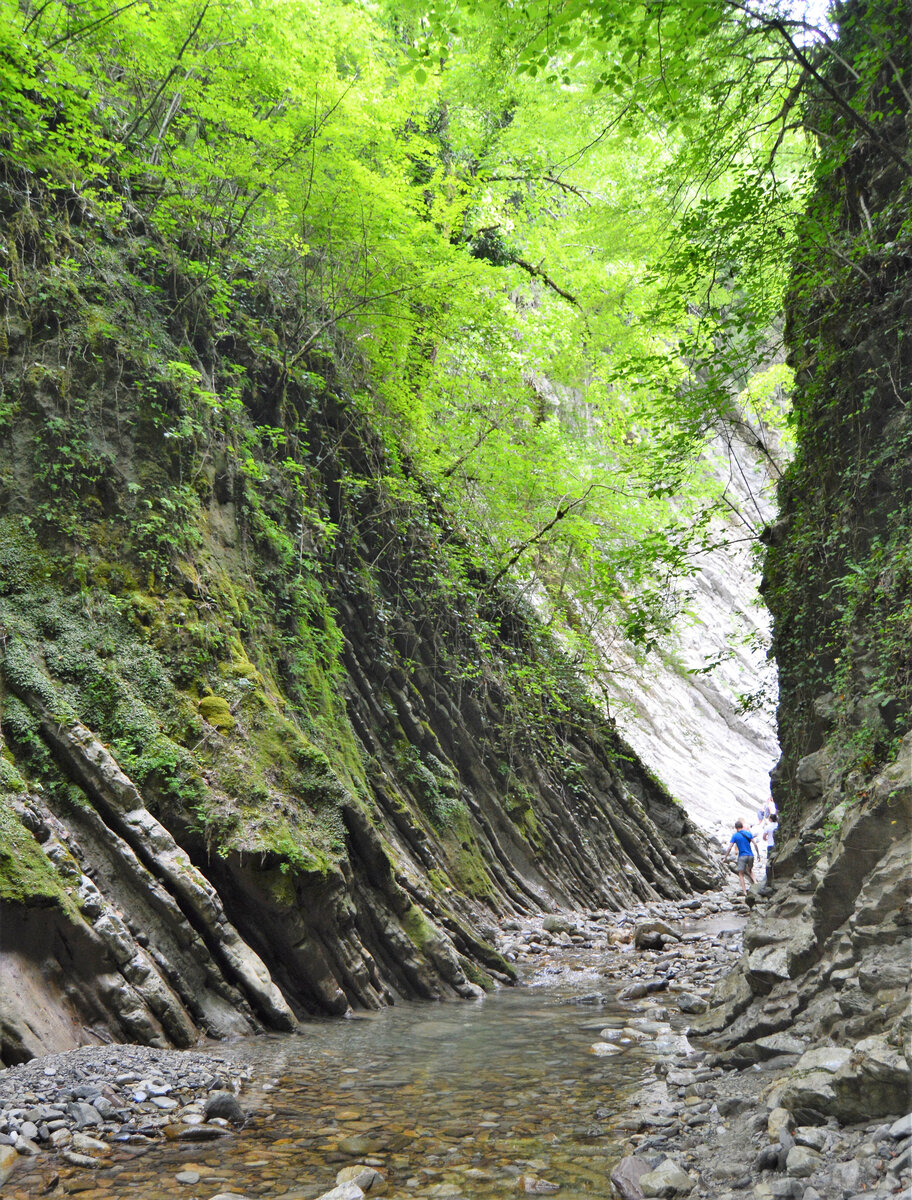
(117, 662)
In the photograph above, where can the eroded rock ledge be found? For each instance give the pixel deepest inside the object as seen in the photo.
(827, 961)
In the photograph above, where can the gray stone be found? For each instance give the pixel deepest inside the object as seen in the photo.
(556, 923)
(768, 1158)
(813, 773)
(84, 1144)
(875, 1082)
(627, 1174)
(689, 1003)
(651, 934)
(188, 1177)
(778, 1120)
(848, 1175)
(729, 1105)
(812, 1136)
(779, 1043)
(345, 1191)
(729, 998)
(364, 1176)
(84, 1114)
(202, 1133)
(666, 1180)
(811, 1083)
(225, 1105)
(802, 1162)
(901, 1128)
(78, 1160)
(903, 1160)
(636, 991)
(785, 1189)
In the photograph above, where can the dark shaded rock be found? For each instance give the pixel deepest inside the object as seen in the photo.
(225, 1105)
(202, 1133)
(767, 1159)
(84, 1115)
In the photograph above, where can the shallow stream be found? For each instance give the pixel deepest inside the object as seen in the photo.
(455, 1100)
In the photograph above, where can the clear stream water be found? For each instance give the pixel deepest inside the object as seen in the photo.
(450, 1100)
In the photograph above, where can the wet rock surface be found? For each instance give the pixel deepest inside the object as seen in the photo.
(701, 1122)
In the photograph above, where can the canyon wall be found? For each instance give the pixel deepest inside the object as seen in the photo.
(701, 710)
(827, 951)
(273, 743)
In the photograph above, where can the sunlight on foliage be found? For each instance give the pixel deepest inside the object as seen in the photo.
(540, 255)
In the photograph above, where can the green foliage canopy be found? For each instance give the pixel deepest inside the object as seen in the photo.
(547, 264)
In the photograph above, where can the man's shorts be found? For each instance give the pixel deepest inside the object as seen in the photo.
(745, 862)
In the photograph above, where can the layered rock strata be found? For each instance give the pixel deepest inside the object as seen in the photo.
(274, 743)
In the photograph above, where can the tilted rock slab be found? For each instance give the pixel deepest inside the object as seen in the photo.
(120, 802)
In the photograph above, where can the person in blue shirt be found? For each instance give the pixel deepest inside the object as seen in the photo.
(745, 841)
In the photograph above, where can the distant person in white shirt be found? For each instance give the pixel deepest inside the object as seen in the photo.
(769, 823)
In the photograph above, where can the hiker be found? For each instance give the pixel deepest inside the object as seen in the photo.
(768, 812)
(768, 835)
(744, 840)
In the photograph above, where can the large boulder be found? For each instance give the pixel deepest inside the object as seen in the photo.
(627, 1174)
(866, 1082)
(668, 1179)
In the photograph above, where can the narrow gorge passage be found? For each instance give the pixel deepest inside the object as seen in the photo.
(422, 424)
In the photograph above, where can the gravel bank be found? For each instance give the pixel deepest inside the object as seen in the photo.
(81, 1105)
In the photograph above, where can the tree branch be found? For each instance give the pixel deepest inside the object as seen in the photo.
(538, 273)
(567, 187)
(563, 510)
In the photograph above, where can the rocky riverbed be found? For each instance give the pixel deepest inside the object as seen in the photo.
(705, 1125)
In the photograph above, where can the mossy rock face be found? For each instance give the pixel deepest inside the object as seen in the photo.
(27, 876)
(10, 779)
(215, 711)
(420, 931)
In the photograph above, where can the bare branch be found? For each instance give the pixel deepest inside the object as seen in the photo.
(567, 187)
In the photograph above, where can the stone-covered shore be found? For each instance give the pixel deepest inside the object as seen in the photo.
(710, 1126)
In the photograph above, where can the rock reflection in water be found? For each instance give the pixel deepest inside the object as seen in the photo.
(458, 1101)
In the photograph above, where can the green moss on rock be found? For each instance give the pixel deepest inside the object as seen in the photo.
(419, 929)
(27, 876)
(476, 975)
(215, 711)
